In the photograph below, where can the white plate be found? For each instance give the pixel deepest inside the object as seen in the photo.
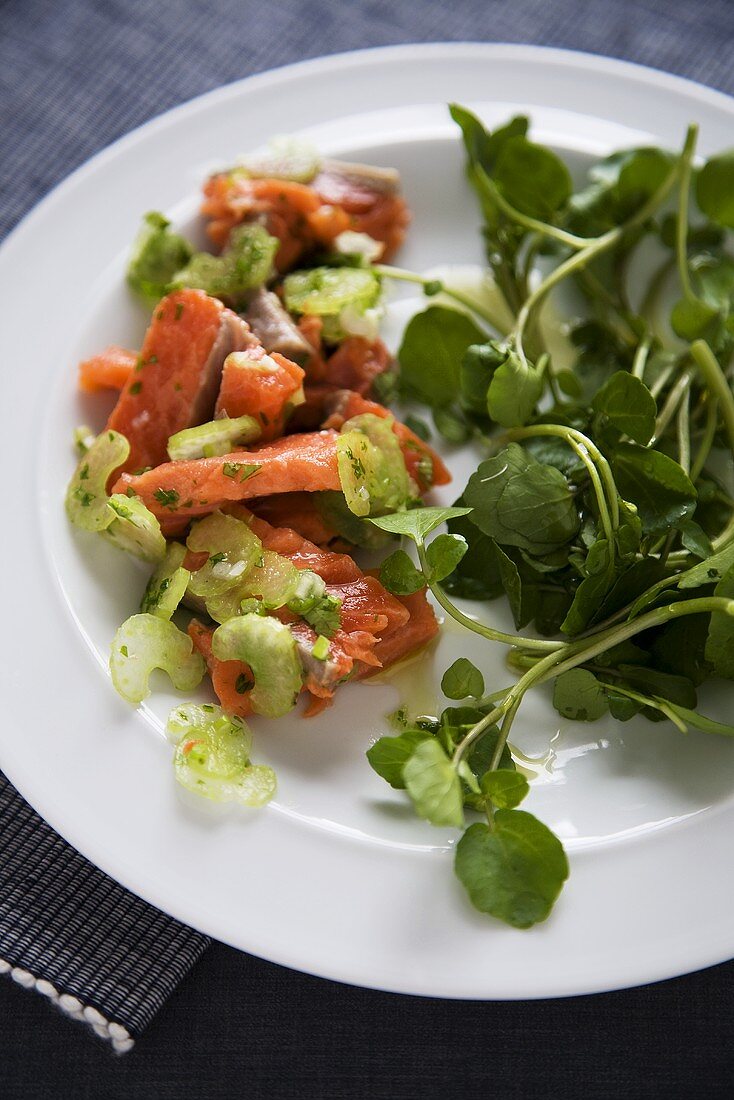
(337, 877)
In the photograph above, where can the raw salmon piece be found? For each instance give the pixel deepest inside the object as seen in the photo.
(346, 404)
(198, 486)
(366, 604)
(262, 386)
(110, 370)
(356, 363)
(296, 510)
(231, 680)
(176, 379)
(370, 196)
(421, 627)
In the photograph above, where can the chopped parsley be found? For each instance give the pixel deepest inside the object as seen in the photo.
(240, 470)
(136, 387)
(167, 497)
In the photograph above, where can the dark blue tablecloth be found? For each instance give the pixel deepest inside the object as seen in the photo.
(74, 75)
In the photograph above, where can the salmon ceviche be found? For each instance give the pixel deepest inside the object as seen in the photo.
(246, 452)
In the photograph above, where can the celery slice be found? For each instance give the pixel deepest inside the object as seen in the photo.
(86, 496)
(167, 586)
(285, 158)
(218, 437)
(274, 580)
(145, 642)
(233, 549)
(371, 466)
(245, 264)
(212, 756)
(135, 529)
(157, 255)
(325, 291)
(269, 648)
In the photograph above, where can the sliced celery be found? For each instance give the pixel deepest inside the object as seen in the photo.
(325, 291)
(86, 496)
(135, 529)
(157, 255)
(84, 437)
(218, 437)
(167, 586)
(274, 580)
(212, 756)
(269, 648)
(145, 642)
(245, 264)
(371, 466)
(285, 158)
(233, 549)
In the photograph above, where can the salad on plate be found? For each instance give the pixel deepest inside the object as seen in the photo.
(273, 463)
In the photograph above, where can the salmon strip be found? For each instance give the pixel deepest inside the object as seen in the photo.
(262, 386)
(195, 487)
(356, 363)
(110, 370)
(347, 404)
(296, 510)
(176, 378)
(421, 627)
(229, 678)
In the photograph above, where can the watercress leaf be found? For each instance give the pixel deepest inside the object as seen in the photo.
(659, 488)
(701, 722)
(431, 353)
(418, 426)
(692, 318)
(477, 370)
(628, 405)
(462, 679)
(451, 425)
(680, 647)
(720, 641)
(520, 502)
(482, 146)
(505, 789)
(664, 685)
(695, 539)
(551, 609)
(418, 522)
(482, 752)
(389, 755)
(578, 694)
(600, 575)
(715, 189)
(513, 586)
(433, 785)
(710, 570)
(477, 576)
(514, 871)
(399, 575)
(569, 384)
(642, 171)
(444, 554)
(621, 707)
(532, 178)
(514, 391)
(630, 584)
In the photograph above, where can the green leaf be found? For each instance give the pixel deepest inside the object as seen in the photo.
(695, 539)
(513, 586)
(690, 318)
(477, 369)
(418, 426)
(715, 189)
(444, 554)
(701, 722)
(659, 488)
(520, 502)
(451, 425)
(664, 685)
(476, 577)
(720, 641)
(482, 146)
(431, 353)
(577, 694)
(418, 522)
(399, 575)
(515, 871)
(532, 178)
(514, 391)
(433, 785)
(505, 789)
(461, 680)
(628, 405)
(710, 570)
(594, 587)
(389, 755)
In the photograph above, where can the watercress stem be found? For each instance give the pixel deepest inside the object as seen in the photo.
(401, 274)
(683, 425)
(528, 222)
(640, 359)
(716, 382)
(707, 440)
(536, 644)
(681, 225)
(673, 400)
